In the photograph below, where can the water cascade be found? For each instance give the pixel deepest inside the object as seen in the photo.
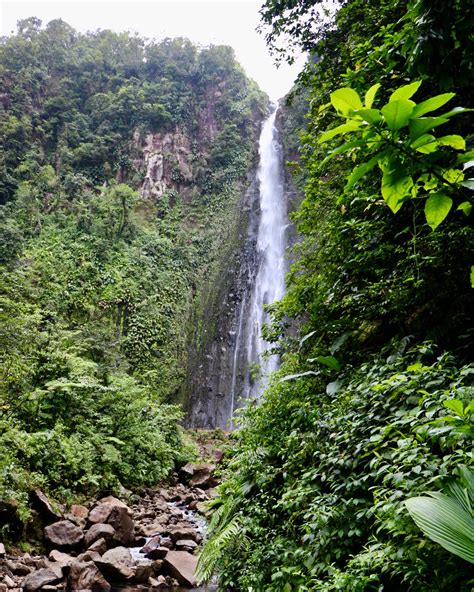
(232, 367)
(269, 280)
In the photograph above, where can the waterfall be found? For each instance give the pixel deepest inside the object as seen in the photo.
(269, 280)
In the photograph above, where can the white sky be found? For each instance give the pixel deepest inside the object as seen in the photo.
(229, 22)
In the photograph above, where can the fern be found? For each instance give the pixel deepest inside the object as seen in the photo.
(231, 536)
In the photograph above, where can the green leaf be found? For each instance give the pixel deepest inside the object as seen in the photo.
(455, 141)
(369, 115)
(343, 148)
(469, 183)
(370, 95)
(329, 361)
(396, 185)
(455, 405)
(437, 207)
(405, 92)
(345, 100)
(472, 276)
(432, 104)
(422, 140)
(465, 207)
(350, 126)
(446, 522)
(362, 170)
(397, 113)
(420, 126)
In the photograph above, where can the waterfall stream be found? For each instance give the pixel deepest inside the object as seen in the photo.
(269, 282)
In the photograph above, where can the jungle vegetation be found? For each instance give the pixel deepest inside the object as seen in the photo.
(372, 408)
(97, 282)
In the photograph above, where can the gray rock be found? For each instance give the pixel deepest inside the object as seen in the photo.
(78, 514)
(181, 566)
(50, 510)
(153, 543)
(100, 547)
(186, 545)
(117, 564)
(59, 557)
(85, 576)
(64, 534)
(38, 579)
(143, 571)
(18, 568)
(157, 553)
(178, 533)
(99, 531)
(9, 581)
(100, 513)
(120, 519)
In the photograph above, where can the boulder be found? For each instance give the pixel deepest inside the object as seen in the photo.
(114, 501)
(117, 564)
(49, 510)
(181, 566)
(9, 582)
(64, 534)
(182, 532)
(100, 546)
(202, 476)
(186, 545)
(99, 531)
(153, 543)
(59, 557)
(158, 553)
(37, 579)
(143, 571)
(120, 520)
(88, 556)
(85, 576)
(99, 514)
(18, 568)
(78, 514)
(58, 568)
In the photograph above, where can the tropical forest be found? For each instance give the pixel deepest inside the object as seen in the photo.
(237, 335)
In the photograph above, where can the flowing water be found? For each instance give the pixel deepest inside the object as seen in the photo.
(269, 283)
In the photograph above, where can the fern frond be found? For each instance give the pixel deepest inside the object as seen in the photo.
(231, 536)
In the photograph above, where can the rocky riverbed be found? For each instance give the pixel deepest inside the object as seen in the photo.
(141, 542)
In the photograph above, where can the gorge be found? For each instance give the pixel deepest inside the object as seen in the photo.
(241, 373)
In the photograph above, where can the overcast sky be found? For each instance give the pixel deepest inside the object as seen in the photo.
(230, 22)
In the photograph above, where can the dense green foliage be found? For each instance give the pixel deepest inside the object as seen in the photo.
(98, 283)
(366, 411)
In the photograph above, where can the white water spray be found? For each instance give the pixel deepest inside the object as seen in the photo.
(269, 284)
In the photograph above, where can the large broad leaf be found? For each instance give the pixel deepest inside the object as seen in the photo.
(432, 104)
(369, 115)
(370, 95)
(437, 207)
(405, 92)
(422, 140)
(350, 126)
(465, 207)
(345, 100)
(396, 185)
(363, 169)
(420, 126)
(446, 522)
(455, 141)
(397, 113)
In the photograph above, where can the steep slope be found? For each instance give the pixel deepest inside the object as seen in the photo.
(123, 167)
